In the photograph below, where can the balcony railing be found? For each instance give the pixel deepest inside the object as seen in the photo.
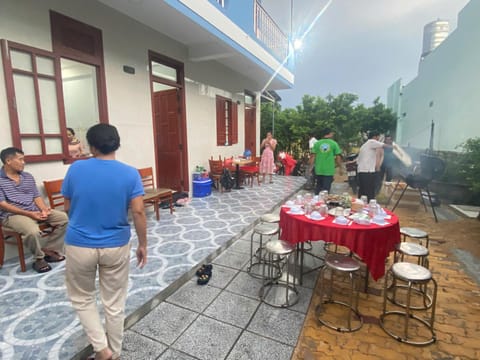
(268, 32)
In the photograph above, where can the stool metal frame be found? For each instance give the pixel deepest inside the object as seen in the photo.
(257, 257)
(421, 253)
(412, 274)
(415, 233)
(276, 251)
(306, 248)
(347, 252)
(338, 263)
(412, 249)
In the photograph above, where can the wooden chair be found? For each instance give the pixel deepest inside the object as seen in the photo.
(216, 171)
(154, 196)
(53, 189)
(250, 172)
(13, 238)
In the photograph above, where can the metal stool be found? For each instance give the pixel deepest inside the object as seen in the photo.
(279, 292)
(422, 329)
(415, 233)
(270, 218)
(337, 263)
(257, 258)
(412, 249)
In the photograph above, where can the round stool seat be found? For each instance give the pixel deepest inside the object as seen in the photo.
(270, 218)
(411, 272)
(279, 247)
(412, 249)
(413, 232)
(265, 229)
(342, 263)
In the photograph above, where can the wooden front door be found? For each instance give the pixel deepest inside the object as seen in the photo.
(169, 147)
(250, 129)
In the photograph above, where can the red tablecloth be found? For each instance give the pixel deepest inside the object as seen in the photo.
(371, 243)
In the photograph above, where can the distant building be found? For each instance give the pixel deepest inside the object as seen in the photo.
(433, 35)
(440, 107)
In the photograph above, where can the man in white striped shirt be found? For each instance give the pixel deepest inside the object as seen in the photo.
(22, 210)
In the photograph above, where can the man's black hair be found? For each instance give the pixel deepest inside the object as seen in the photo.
(326, 131)
(71, 130)
(373, 133)
(9, 152)
(104, 138)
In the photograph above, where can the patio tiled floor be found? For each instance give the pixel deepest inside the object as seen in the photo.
(36, 318)
(225, 319)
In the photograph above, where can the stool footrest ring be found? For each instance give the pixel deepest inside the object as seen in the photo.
(337, 328)
(408, 340)
(279, 299)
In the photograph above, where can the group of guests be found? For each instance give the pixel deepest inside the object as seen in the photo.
(373, 163)
(94, 236)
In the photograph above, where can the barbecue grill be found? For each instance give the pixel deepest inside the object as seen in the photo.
(419, 177)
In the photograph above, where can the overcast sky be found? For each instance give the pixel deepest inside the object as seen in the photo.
(358, 46)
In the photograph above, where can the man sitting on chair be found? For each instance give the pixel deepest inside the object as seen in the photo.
(22, 210)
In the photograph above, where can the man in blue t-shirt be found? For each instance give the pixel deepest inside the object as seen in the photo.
(98, 193)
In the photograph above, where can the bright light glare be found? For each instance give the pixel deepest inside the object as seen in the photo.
(297, 44)
(297, 41)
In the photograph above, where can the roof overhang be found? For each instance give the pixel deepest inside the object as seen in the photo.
(209, 35)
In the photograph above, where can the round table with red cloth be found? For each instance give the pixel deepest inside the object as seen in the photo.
(372, 243)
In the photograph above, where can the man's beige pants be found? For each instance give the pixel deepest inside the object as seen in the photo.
(80, 271)
(32, 236)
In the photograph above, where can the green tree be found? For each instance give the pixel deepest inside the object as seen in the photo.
(378, 118)
(470, 165)
(342, 113)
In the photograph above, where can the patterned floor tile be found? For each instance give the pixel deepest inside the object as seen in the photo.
(36, 318)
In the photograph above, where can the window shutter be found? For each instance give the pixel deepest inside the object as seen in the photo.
(221, 130)
(234, 123)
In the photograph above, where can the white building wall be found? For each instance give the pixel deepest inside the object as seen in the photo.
(446, 90)
(126, 42)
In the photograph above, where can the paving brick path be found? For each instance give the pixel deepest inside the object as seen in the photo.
(457, 323)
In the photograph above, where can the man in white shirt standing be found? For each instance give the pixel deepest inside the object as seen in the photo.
(369, 161)
(309, 174)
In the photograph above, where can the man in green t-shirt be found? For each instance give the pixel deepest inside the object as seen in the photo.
(325, 153)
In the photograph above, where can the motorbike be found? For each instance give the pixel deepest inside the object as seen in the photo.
(351, 166)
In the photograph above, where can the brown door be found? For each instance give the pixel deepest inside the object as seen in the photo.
(169, 146)
(250, 129)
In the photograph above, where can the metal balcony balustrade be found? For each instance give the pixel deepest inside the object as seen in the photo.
(269, 33)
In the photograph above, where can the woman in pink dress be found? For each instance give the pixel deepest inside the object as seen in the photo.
(267, 163)
(75, 147)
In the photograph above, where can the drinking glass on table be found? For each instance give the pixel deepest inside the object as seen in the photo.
(324, 195)
(299, 200)
(364, 200)
(307, 198)
(323, 210)
(308, 208)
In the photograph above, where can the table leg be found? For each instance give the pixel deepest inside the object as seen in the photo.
(237, 180)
